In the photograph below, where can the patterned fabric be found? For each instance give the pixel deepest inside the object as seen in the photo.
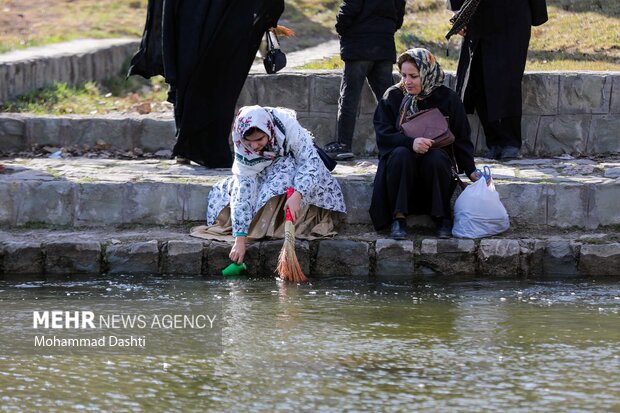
(296, 163)
(247, 161)
(462, 18)
(431, 77)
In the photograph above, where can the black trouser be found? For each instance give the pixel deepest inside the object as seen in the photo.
(501, 132)
(419, 184)
(379, 74)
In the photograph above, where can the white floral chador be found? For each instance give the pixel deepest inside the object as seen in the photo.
(288, 160)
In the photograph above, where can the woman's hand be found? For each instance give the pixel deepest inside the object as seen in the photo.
(282, 31)
(422, 145)
(237, 253)
(294, 205)
(474, 176)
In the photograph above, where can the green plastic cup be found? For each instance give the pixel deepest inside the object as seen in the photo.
(234, 269)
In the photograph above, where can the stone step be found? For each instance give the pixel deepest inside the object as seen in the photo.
(539, 194)
(69, 255)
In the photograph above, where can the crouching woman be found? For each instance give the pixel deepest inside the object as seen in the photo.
(411, 177)
(272, 153)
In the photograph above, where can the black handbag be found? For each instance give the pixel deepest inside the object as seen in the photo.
(329, 162)
(275, 59)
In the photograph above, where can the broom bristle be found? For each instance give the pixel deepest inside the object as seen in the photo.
(288, 266)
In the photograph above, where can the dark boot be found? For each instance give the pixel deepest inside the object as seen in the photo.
(494, 152)
(444, 228)
(399, 229)
(510, 152)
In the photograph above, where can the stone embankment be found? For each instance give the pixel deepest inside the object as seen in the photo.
(70, 255)
(79, 61)
(112, 216)
(564, 220)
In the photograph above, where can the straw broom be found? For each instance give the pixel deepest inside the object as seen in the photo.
(288, 265)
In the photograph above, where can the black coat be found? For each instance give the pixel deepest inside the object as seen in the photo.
(367, 27)
(499, 30)
(389, 137)
(204, 50)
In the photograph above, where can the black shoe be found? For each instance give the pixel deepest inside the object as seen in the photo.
(444, 228)
(510, 152)
(399, 229)
(494, 152)
(339, 151)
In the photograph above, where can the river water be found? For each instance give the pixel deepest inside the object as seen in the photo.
(459, 346)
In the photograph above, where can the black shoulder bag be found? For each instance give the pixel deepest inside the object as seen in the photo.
(275, 59)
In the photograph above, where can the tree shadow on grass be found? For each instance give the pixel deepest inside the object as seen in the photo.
(610, 8)
(553, 55)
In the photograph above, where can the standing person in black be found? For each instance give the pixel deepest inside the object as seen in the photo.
(366, 29)
(204, 49)
(491, 66)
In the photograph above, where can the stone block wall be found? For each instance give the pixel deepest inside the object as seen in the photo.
(576, 113)
(381, 260)
(19, 132)
(73, 62)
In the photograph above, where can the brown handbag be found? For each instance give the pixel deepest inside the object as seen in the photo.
(430, 124)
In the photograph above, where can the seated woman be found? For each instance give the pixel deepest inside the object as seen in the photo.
(411, 177)
(272, 153)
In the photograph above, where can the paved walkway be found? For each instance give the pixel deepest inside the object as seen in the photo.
(532, 171)
(74, 47)
(303, 57)
(539, 194)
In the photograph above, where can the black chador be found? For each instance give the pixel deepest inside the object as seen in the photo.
(492, 61)
(204, 49)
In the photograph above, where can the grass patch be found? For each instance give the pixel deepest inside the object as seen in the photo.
(39, 225)
(580, 35)
(53, 172)
(92, 98)
(86, 180)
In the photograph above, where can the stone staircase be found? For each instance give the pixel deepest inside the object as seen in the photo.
(67, 218)
(82, 216)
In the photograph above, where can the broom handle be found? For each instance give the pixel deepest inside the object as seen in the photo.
(289, 193)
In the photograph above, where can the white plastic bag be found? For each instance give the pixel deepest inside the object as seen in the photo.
(478, 212)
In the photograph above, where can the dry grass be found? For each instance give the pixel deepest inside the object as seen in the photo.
(27, 23)
(580, 35)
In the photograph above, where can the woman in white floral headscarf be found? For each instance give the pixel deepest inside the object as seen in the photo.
(272, 152)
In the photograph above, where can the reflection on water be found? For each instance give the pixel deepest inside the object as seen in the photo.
(335, 346)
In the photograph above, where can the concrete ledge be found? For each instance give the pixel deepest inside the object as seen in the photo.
(73, 62)
(65, 254)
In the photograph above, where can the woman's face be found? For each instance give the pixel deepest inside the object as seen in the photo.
(411, 78)
(257, 140)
